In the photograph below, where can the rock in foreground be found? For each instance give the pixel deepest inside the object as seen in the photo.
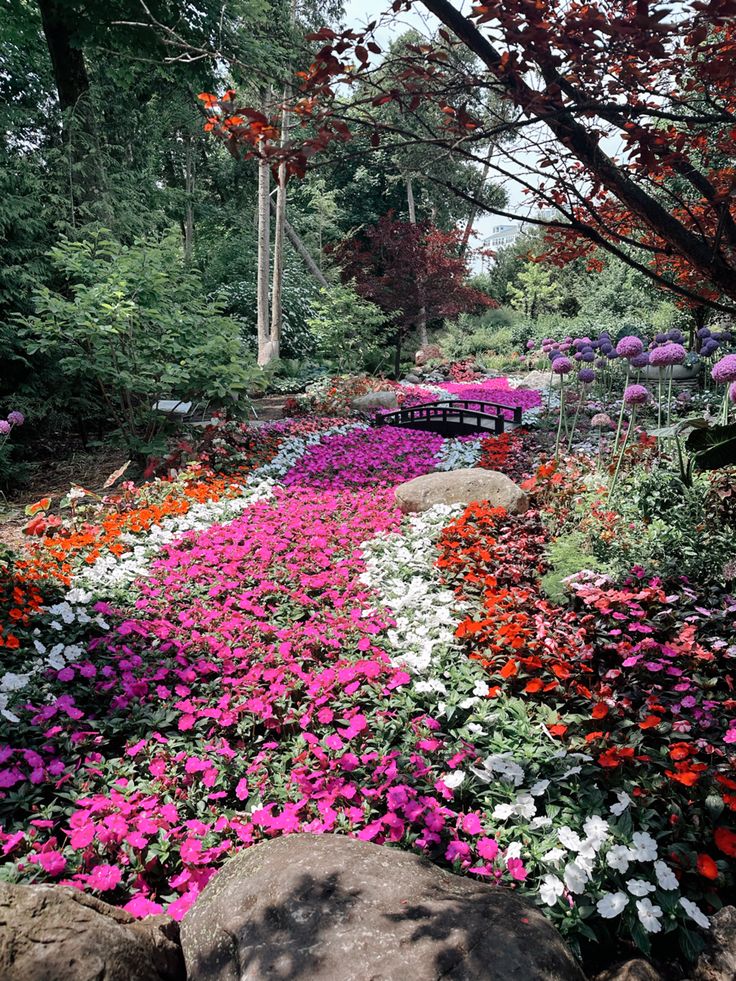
(331, 908)
(52, 933)
(462, 487)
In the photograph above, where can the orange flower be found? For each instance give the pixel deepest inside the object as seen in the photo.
(725, 840)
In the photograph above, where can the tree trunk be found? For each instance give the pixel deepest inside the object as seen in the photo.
(70, 71)
(264, 235)
(189, 170)
(422, 317)
(278, 243)
(302, 250)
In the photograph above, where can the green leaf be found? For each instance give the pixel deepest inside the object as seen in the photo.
(713, 448)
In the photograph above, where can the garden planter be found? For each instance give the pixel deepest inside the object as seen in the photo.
(680, 372)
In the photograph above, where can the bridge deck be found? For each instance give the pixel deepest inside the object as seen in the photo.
(451, 417)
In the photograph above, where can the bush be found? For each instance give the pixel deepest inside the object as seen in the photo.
(350, 332)
(133, 320)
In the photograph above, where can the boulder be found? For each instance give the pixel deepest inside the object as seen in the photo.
(536, 380)
(372, 401)
(461, 487)
(330, 908)
(412, 378)
(636, 970)
(55, 933)
(421, 357)
(718, 960)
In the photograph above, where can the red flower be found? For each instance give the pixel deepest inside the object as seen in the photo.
(725, 840)
(707, 867)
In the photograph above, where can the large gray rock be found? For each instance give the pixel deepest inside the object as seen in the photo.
(718, 960)
(53, 933)
(539, 379)
(372, 401)
(462, 487)
(330, 908)
(636, 970)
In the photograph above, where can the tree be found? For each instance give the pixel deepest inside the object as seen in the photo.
(536, 292)
(410, 271)
(660, 83)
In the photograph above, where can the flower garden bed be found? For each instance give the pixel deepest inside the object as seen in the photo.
(263, 645)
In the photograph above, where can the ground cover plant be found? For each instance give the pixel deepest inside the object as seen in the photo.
(262, 645)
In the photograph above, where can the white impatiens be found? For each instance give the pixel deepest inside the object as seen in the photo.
(550, 889)
(612, 904)
(650, 916)
(695, 912)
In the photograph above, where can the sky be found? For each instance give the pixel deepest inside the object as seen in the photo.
(360, 12)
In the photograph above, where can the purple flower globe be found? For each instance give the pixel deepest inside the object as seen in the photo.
(588, 355)
(16, 418)
(586, 375)
(710, 346)
(554, 354)
(612, 355)
(629, 346)
(601, 362)
(703, 333)
(562, 365)
(602, 420)
(5, 427)
(724, 371)
(661, 339)
(640, 360)
(667, 355)
(530, 345)
(636, 395)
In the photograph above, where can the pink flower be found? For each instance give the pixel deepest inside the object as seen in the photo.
(487, 848)
(457, 850)
(104, 877)
(141, 906)
(52, 862)
(516, 869)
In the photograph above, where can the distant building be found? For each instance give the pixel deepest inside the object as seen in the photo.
(502, 236)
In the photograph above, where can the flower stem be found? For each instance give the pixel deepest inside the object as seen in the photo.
(669, 394)
(623, 450)
(559, 420)
(621, 414)
(575, 418)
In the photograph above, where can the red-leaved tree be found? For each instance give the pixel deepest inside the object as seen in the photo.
(413, 272)
(620, 114)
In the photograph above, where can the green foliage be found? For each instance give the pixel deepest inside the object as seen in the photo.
(350, 331)
(535, 291)
(298, 295)
(132, 321)
(713, 448)
(567, 556)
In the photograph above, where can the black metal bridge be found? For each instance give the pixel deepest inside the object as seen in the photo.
(453, 417)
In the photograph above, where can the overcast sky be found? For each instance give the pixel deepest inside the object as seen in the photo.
(360, 12)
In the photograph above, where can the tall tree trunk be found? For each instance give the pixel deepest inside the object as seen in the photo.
(474, 208)
(422, 317)
(264, 235)
(70, 71)
(302, 250)
(189, 172)
(278, 246)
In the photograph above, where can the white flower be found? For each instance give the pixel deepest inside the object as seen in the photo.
(454, 779)
(13, 682)
(623, 802)
(695, 912)
(611, 904)
(644, 847)
(618, 857)
(480, 688)
(569, 838)
(554, 855)
(502, 812)
(665, 876)
(514, 850)
(540, 822)
(596, 829)
(575, 877)
(551, 889)
(539, 788)
(649, 916)
(507, 768)
(639, 887)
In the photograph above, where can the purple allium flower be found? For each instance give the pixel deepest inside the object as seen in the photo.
(530, 345)
(555, 354)
(667, 355)
(586, 375)
(588, 355)
(709, 347)
(640, 360)
(606, 346)
(601, 362)
(703, 333)
(602, 420)
(578, 356)
(5, 427)
(636, 395)
(661, 339)
(565, 346)
(629, 346)
(562, 365)
(725, 369)
(732, 392)
(612, 355)
(16, 418)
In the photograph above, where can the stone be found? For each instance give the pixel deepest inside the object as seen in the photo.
(413, 379)
(56, 933)
(310, 907)
(461, 487)
(372, 401)
(537, 380)
(636, 970)
(718, 960)
(421, 357)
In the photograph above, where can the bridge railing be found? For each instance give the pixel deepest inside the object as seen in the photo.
(450, 416)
